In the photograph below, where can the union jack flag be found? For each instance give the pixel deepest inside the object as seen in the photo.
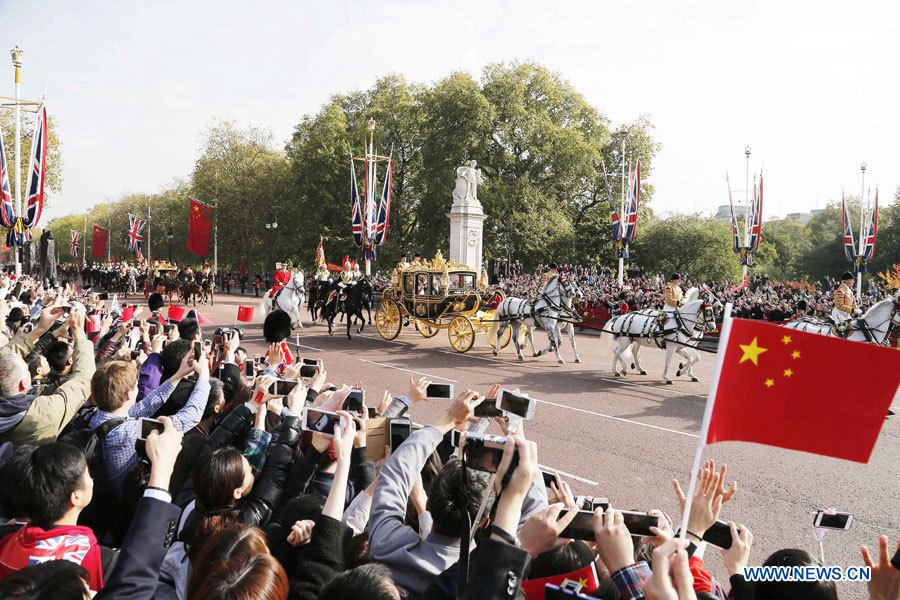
(736, 246)
(871, 232)
(847, 228)
(756, 218)
(354, 204)
(74, 247)
(621, 251)
(135, 227)
(73, 548)
(7, 211)
(631, 205)
(384, 206)
(36, 170)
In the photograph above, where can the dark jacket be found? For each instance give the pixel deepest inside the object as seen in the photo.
(496, 570)
(136, 574)
(319, 561)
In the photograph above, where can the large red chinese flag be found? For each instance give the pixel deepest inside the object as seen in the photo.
(100, 240)
(803, 391)
(201, 225)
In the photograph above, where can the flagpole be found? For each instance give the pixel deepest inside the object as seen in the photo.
(370, 187)
(84, 245)
(148, 238)
(622, 219)
(109, 240)
(862, 213)
(216, 239)
(746, 241)
(707, 416)
(17, 63)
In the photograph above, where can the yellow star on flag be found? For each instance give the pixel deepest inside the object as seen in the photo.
(786, 340)
(752, 352)
(795, 354)
(770, 383)
(788, 372)
(583, 581)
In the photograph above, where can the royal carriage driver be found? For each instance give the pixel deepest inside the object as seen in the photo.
(672, 295)
(549, 281)
(402, 265)
(845, 305)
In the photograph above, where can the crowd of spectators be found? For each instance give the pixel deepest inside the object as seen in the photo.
(145, 459)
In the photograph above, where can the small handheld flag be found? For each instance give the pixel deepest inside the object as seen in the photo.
(245, 314)
(175, 313)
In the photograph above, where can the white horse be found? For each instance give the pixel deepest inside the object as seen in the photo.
(677, 332)
(873, 327)
(518, 312)
(290, 298)
(569, 292)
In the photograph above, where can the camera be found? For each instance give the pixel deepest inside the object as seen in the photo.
(221, 334)
(320, 421)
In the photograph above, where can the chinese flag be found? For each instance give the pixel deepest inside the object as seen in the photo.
(98, 245)
(201, 225)
(127, 313)
(803, 391)
(175, 313)
(245, 314)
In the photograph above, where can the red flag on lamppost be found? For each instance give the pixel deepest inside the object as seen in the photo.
(101, 239)
(201, 225)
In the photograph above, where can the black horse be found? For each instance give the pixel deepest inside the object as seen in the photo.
(350, 302)
(318, 293)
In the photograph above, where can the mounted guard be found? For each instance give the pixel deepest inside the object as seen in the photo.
(845, 305)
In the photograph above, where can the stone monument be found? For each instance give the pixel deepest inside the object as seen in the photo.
(466, 217)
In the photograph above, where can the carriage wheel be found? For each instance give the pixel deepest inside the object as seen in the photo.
(506, 337)
(387, 319)
(426, 329)
(461, 334)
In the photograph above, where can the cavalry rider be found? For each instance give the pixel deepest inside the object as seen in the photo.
(844, 301)
(347, 275)
(280, 279)
(357, 274)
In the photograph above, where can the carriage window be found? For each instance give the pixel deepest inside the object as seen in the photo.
(422, 284)
(462, 281)
(437, 287)
(408, 281)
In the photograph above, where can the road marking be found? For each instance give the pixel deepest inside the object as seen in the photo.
(372, 362)
(651, 387)
(569, 475)
(607, 363)
(623, 420)
(308, 347)
(381, 339)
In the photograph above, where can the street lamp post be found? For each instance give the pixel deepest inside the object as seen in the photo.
(169, 236)
(17, 55)
(271, 226)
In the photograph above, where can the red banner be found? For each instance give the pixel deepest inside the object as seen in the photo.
(98, 245)
(201, 224)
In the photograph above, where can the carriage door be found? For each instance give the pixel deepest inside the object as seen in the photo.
(421, 296)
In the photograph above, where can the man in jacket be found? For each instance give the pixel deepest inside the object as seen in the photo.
(29, 419)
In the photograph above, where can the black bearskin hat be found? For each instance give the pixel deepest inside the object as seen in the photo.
(156, 301)
(277, 326)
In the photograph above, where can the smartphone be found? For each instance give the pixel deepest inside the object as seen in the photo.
(135, 354)
(135, 322)
(249, 368)
(639, 523)
(515, 403)
(718, 535)
(320, 421)
(167, 328)
(601, 503)
(400, 429)
(356, 398)
(454, 437)
(581, 527)
(153, 329)
(354, 404)
(439, 391)
(308, 371)
(197, 349)
(373, 412)
(487, 409)
(312, 361)
(140, 446)
(483, 452)
(895, 561)
(548, 477)
(282, 387)
(207, 345)
(837, 520)
(150, 425)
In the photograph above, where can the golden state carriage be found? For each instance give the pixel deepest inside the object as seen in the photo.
(435, 297)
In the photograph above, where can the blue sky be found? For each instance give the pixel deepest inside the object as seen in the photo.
(811, 86)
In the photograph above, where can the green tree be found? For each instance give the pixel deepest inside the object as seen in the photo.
(693, 246)
(53, 176)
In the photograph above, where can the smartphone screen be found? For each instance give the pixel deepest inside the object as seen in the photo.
(581, 527)
(354, 404)
(439, 391)
(308, 371)
(835, 521)
(282, 387)
(487, 409)
(400, 430)
(639, 524)
(548, 478)
(484, 452)
(311, 361)
(153, 329)
(249, 368)
(357, 398)
(197, 350)
(718, 535)
(516, 404)
(320, 421)
(150, 425)
(373, 412)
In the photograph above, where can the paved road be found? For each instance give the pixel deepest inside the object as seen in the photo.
(626, 439)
